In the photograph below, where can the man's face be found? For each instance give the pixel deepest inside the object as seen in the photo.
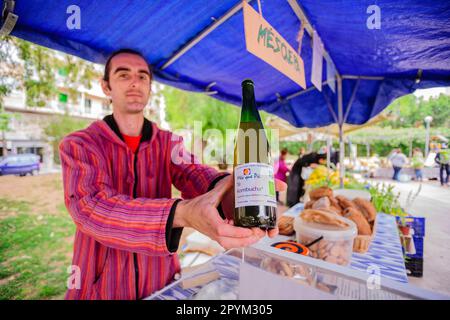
(129, 83)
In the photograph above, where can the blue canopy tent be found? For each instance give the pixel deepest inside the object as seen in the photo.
(199, 46)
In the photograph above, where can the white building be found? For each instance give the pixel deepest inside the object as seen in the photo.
(26, 128)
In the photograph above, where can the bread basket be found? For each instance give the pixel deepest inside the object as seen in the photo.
(362, 243)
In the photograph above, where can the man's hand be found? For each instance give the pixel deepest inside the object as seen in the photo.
(201, 214)
(228, 201)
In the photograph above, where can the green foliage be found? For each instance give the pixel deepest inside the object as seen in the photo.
(37, 74)
(34, 252)
(383, 139)
(61, 126)
(405, 129)
(9, 77)
(410, 111)
(39, 69)
(385, 200)
(4, 91)
(219, 121)
(183, 108)
(293, 147)
(4, 120)
(76, 72)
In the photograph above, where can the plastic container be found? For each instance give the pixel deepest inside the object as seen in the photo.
(336, 245)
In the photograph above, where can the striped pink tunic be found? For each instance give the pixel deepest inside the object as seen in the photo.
(120, 242)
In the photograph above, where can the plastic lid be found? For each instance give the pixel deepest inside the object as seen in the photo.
(329, 232)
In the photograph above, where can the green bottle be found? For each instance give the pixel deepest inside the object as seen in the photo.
(254, 187)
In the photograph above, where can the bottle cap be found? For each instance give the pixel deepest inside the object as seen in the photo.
(247, 82)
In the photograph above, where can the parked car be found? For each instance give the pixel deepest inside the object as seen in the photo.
(20, 164)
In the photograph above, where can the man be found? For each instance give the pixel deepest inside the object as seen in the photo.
(443, 160)
(334, 157)
(117, 177)
(398, 160)
(417, 163)
(295, 180)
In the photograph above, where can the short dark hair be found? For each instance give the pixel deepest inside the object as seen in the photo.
(115, 53)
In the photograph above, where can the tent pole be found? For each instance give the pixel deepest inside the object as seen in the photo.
(349, 76)
(328, 151)
(341, 157)
(341, 134)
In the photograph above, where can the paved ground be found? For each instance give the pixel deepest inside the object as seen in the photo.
(433, 203)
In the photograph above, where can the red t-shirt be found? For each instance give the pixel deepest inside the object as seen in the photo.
(132, 142)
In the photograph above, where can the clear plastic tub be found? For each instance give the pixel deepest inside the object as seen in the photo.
(336, 245)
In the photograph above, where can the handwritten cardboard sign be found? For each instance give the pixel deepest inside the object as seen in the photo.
(266, 43)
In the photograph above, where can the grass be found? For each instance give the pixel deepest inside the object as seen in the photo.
(35, 252)
(35, 249)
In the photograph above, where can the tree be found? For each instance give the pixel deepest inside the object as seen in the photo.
(183, 108)
(39, 73)
(59, 128)
(384, 139)
(33, 68)
(10, 76)
(409, 111)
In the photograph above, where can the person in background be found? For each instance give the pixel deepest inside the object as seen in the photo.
(334, 157)
(295, 181)
(281, 169)
(443, 160)
(417, 162)
(398, 161)
(301, 152)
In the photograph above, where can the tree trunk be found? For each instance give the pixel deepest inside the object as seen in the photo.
(5, 147)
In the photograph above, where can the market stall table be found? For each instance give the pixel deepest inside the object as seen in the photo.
(385, 251)
(384, 257)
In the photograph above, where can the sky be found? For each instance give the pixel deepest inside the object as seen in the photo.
(432, 92)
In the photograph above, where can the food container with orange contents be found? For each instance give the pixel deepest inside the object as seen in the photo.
(336, 245)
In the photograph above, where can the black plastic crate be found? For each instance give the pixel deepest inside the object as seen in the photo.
(414, 267)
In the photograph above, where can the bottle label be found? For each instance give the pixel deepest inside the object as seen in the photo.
(254, 185)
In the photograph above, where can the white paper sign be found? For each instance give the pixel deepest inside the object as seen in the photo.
(316, 74)
(331, 76)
